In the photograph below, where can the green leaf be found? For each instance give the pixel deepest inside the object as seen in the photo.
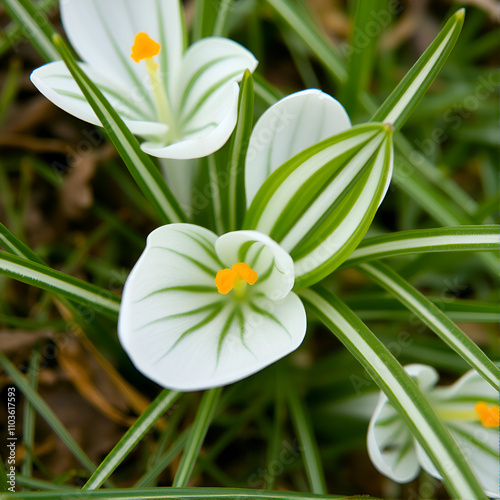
(362, 41)
(126, 444)
(175, 493)
(202, 421)
(435, 319)
(400, 389)
(46, 278)
(419, 241)
(376, 307)
(405, 97)
(35, 26)
(310, 33)
(319, 204)
(140, 165)
(303, 427)
(237, 151)
(46, 413)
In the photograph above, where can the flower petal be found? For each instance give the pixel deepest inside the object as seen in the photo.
(287, 128)
(103, 33)
(478, 443)
(273, 264)
(467, 390)
(210, 133)
(180, 332)
(55, 82)
(208, 65)
(390, 444)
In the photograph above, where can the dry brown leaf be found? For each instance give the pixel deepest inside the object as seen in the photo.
(15, 341)
(73, 360)
(134, 398)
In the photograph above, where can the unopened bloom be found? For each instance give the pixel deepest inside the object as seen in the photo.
(182, 102)
(469, 408)
(201, 311)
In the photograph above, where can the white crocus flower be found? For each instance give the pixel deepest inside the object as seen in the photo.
(182, 102)
(469, 408)
(293, 124)
(201, 311)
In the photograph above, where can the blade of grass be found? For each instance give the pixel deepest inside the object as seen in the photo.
(434, 318)
(39, 484)
(419, 241)
(324, 51)
(309, 446)
(185, 493)
(49, 279)
(198, 432)
(406, 96)
(34, 25)
(29, 415)
(163, 461)
(399, 388)
(237, 151)
(142, 425)
(140, 165)
(375, 307)
(46, 413)
(362, 44)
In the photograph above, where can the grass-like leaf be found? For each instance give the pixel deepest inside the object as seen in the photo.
(55, 281)
(35, 26)
(201, 423)
(135, 433)
(140, 165)
(47, 414)
(405, 97)
(419, 241)
(175, 493)
(237, 152)
(303, 428)
(435, 319)
(399, 388)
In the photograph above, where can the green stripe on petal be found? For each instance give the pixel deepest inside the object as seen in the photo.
(320, 203)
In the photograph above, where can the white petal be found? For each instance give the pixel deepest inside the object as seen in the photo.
(193, 340)
(55, 82)
(288, 127)
(103, 32)
(425, 376)
(470, 386)
(261, 339)
(273, 264)
(209, 136)
(208, 64)
(390, 444)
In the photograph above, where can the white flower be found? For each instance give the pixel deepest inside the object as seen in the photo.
(469, 408)
(183, 102)
(293, 124)
(201, 311)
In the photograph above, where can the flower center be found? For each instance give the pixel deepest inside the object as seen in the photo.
(145, 48)
(489, 416)
(235, 279)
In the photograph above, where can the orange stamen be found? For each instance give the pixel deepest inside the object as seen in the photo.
(490, 417)
(144, 47)
(227, 278)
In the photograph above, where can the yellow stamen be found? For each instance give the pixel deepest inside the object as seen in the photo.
(246, 272)
(235, 279)
(225, 280)
(144, 47)
(489, 416)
